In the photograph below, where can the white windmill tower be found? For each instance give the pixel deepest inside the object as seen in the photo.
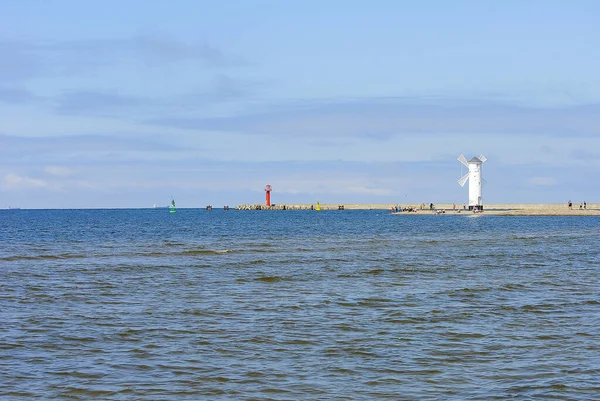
(475, 180)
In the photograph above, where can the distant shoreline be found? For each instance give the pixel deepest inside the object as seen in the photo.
(502, 209)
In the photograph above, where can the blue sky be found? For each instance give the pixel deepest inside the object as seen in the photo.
(127, 104)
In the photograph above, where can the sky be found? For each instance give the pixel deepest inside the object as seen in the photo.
(126, 104)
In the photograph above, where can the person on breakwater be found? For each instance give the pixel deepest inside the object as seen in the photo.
(570, 204)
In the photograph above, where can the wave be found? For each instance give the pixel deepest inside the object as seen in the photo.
(207, 251)
(43, 257)
(269, 279)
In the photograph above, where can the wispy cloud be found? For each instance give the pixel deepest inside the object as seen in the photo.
(382, 118)
(585, 155)
(15, 94)
(19, 62)
(92, 103)
(224, 88)
(58, 171)
(35, 148)
(14, 181)
(23, 60)
(146, 48)
(219, 90)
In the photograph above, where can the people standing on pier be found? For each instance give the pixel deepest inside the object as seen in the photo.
(570, 204)
(584, 205)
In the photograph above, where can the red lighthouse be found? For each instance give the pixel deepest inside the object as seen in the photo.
(268, 192)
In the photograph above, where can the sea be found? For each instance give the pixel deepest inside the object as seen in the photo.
(143, 304)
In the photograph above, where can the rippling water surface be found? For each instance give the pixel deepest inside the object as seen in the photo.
(297, 305)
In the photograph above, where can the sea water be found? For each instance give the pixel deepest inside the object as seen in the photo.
(297, 305)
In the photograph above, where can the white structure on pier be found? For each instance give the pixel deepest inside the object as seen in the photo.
(475, 180)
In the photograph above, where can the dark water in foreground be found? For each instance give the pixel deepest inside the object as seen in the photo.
(351, 305)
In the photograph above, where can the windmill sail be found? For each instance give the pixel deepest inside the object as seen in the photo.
(463, 180)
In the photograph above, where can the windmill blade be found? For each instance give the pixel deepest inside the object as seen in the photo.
(483, 182)
(482, 158)
(463, 160)
(463, 179)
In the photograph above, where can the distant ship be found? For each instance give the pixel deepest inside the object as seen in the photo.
(160, 207)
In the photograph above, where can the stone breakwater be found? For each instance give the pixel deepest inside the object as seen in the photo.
(504, 209)
(295, 207)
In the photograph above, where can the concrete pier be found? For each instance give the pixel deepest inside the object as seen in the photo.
(504, 209)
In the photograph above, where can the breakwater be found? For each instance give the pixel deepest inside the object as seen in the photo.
(506, 209)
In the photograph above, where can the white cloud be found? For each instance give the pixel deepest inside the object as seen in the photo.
(15, 181)
(58, 171)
